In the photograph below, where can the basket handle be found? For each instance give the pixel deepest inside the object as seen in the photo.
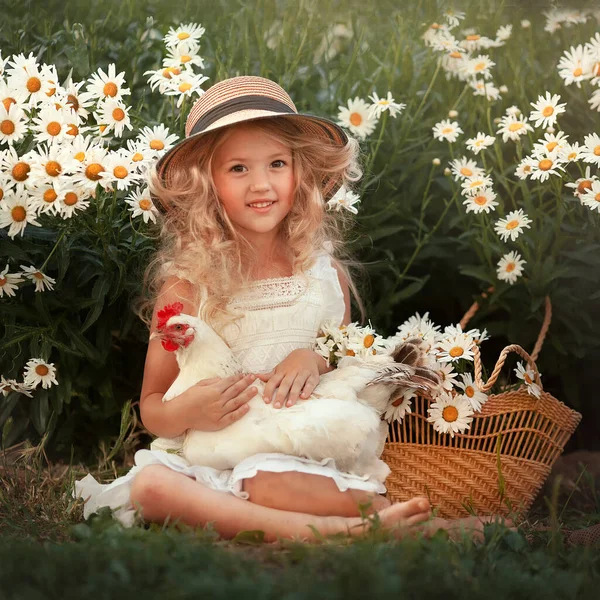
(484, 387)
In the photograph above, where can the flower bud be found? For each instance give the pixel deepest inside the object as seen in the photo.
(525, 24)
(447, 171)
(503, 89)
(436, 162)
(453, 114)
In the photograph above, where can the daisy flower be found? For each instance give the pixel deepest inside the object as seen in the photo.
(13, 124)
(525, 167)
(513, 111)
(139, 154)
(141, 204)
(465, 167)
(81, 147)
(16, 213)
(453, 348)
(512, 127)
(528, 376)
(447, 130)
(382, 104)
(160, 78)
(479, 66)
(8, 282)
(31, 81)
(447, 375)
(364, 341)
(115, 115)
(504, 33)
(103, 85)
(510, 266)
(474, 395)
(120, 170)
(551, 144)
(10, 385)
(486, 89)
(590, 153)
(50, 163)
(191, 32)
(50, 125)
(471, 185)
(594, 100)
(583, 184)
(479, 142)
(396, 410)
(184, 85)
(453, 17)
(16, 167)
(450, 414)
(75, 99)
(89, 172)
(184, 56)
(482, 201)
(591, 197)
(546, 109)
(512, 225)
(157, 139)
(42, 281)
(357, 118)
(542, 168)
(72, 199)
(39, 371)
(44, 198)
(574, 65)
(344, 198)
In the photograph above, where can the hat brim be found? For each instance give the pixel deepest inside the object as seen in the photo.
(318, 126)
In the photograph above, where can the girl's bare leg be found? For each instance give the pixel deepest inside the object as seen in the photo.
(311, 494)
(161, 493)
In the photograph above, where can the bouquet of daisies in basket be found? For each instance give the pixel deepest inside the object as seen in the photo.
(449, 353)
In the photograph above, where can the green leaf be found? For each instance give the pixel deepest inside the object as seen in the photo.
(99, 291)
(477, 272)
(40, 411)
(250, 537)
(410, 290)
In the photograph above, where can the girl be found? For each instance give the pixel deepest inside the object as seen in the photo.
(247, 245)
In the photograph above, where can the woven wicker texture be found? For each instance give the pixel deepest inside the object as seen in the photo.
(497, 466)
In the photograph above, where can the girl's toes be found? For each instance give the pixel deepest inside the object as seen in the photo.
(405, 513)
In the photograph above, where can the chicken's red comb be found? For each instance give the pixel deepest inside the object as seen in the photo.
(170, 310)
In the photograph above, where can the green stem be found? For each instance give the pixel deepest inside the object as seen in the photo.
(60, 237)
(377, 144)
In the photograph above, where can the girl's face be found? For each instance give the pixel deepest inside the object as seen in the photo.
(254, 177)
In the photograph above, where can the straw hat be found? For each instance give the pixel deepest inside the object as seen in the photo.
(236, 100)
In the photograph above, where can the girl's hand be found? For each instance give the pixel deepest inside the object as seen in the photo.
(212, 404)
(295, 376)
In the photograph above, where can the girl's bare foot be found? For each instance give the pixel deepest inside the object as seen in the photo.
(457, 528)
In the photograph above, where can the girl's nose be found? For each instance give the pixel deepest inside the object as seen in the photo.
(260, 186)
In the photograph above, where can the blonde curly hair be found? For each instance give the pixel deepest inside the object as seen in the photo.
(199, 243)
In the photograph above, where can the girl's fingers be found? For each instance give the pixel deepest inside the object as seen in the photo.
(297, 386)
(208, 381)
(237, 387)
(270, 387)
(309, 386)
(282, 392)
(264, 376)
(234, 415)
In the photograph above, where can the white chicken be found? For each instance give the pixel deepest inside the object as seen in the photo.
(340, 420)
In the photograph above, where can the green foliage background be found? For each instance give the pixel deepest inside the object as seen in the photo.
(421, 251)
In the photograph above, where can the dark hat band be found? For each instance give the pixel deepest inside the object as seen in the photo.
(237, 104)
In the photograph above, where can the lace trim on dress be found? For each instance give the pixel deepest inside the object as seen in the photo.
(276, 292)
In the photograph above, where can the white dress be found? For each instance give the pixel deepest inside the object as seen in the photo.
(278, 316)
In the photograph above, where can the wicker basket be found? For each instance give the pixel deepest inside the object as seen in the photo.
(499, 465)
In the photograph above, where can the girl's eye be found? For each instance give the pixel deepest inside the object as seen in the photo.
(278, 164)
(238, 168)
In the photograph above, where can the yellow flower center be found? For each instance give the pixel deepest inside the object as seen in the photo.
(1, 194)
(480, 200)
(450, 414)
(577, 72)
(33, 85)
(50, 196)
(156, 145)
(586, 184)
(137, 157)
(120, 172)
(350, 353)
(110, 89)
(515, 126)
(551, 146)
(368, 341)
(145, 204)
(3, 282)
(18, 214)
(596, 70)
(469, 391)
(53, 128)
(526, 168)
(71, 198)
(170, 71)
(7, 102)
(185, 58)
(184, 87)
(80, 156)
(527, 378)
(356, 119)
(597, 151)
(183, 35)
(20, 171)
(118, 114)
(572, 156)
(102, 128)
(73, 130)
(434, 26)
(455, 54)
(51, 92)
(38, 275)
(476, 184)
(545, 164)
(466, 172)
(514, 223)
(456, 351)
(93, 171)
(597, 197)
(53, 168)
(547, 111)
(447, 130)
(7, 127)
(480, 66)
(510, 267)
(42, 370)
(473, 38)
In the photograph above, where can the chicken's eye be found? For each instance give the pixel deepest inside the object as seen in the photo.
(178, 327)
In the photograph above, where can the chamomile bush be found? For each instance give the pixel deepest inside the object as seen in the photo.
(478, 124)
